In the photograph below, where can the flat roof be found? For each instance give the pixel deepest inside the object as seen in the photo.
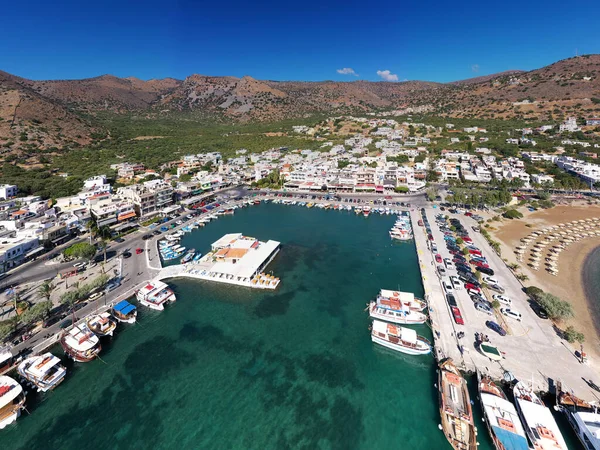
(247, 266)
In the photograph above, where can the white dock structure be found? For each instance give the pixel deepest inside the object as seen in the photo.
(233, 259)
(531, 350)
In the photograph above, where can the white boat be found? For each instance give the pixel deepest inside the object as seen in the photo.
(400, 339)
(155, 294)
(125, 312)
(583, 418)
(395, 313)
(45, 371)
(6, 358)
(491, 351)
(80, 343)
(12, 401)
(540, 426)
(501, 418)
(102, 324)
(387, 296)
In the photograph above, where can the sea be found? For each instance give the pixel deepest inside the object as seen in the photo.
(591, 282)
(228, 367)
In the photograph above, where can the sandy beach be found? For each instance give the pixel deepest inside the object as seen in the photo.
(569, 284)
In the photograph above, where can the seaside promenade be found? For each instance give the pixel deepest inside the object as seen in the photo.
(532, 349)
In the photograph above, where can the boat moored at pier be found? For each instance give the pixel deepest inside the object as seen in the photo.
(400, 339)
(12, 401)
(80, 343)
(44, 371)
(155, 294)
(501, 417)
(125, 312)
(394, 311)
(583, 418)
(540, 426)
(102, 324)
(407, 299)
(455, 408)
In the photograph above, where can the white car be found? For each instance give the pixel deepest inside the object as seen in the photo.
(456, 284)
(511, 313)
(447, 285)
(448, 263)
(502, 299)
(79, 265)
(491, 280)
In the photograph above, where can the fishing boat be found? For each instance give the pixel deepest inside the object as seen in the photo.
(155, 294)
(489, 350)
(125, 312)
(366, 211)
(197, 257)
(392, 310)
(12, 401)
(45, 371)
(455, 408)
(540, 426)
(102, 324)
(80, 343)
(400, 339)
(501, 418)
(188, 256)
(405, 298)
(583, 418)
(6, 358)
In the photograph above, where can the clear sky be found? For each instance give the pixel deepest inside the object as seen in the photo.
(292, 40)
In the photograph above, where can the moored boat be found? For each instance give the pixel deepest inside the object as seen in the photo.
(45, 371)
(12, 401)
(539, 423)
(102, 324)
(583, 418)
(501, 417)
(489, 350)
(455, 408)
(408, 299)
(6, 358)
(80, 343)
(125, 312)
(400, 339)
(155, 294)
(395, 312)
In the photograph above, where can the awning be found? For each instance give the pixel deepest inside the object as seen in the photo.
(126, 216)
(34, 252)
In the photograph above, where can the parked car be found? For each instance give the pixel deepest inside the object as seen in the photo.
(156, 232)
(441, 270)
(475, 252)
(49, 321)
(457, 315)
(139, 250)
(495, 327)
(497, 288)
(511, 313)
(438, 258)
(434, 248)
(450, 299)
(455, 282)
(146, 237)
(119, 240)
(126, 254)
(481, 264)
(446, 285)
(502, 299)
(539, 310)
(79, 265)
(491, 280)
(472, 288)
(484, 308)
(486, 270)
(448, 264)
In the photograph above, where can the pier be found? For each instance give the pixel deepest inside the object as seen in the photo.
(531, 350)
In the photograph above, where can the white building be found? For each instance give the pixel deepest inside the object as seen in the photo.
(8, 191)
(570, 125)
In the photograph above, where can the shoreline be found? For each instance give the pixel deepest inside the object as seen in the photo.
(571, 284)
(591, 284)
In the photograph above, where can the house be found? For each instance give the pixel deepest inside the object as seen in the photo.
(8, 191)
(570, 125)
(539, 178)
(593, 121)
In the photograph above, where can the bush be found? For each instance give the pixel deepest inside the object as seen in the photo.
(533, 292)
(512, 214)
(80, 250)
(401, 189)
(556, 308)
(37, 312)
(572, 335)
(459, 241)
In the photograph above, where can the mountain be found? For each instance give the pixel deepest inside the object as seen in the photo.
(46, 114)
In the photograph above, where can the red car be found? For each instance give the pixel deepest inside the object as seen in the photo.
(388, 197)
(481, 264)
(430, 237)
(475, 252)
(457, 315)
(138, 251)
(468, 213)
(420, 223)
(438, 259)
(467, 239)
(454, 252)
(472, 287)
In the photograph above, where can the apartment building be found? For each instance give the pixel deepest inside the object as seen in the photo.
(8, 191)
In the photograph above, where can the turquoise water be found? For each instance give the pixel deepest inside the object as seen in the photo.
(591, 282)
(234, 368)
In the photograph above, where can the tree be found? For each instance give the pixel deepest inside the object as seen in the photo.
(465, 251)
(45, 290)
(185, 177)
(512, 214)
(556, 308)
(572, 335)
(401, 189)
(433, 176)
(459, 241)
(80, 250)
(534, 292)
(431, 194)
(6, 327)
(37, 312)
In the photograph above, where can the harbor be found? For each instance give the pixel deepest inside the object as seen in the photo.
(304, 310)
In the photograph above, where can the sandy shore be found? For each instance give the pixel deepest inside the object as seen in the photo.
(569, 284)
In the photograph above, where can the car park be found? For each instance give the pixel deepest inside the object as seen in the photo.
(484, 308)
(458, 319)
(495, 327)
(511, 313)
(502, 299)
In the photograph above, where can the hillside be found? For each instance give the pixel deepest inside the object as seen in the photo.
(46, 114)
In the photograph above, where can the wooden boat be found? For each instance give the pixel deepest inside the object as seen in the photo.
(490, 351)
(455, 408)
(501, 417)
(582, 417)
(12, 401)
(80, 343)
(125, 312)
(400, 339)
(395, 313)
(102, 324)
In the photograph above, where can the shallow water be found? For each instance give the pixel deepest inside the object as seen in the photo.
(233, 368)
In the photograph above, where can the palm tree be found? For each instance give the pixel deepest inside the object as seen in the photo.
(45, 290)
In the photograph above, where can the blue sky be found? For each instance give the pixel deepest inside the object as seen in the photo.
(279, 40)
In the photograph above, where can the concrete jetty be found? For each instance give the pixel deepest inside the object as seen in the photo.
(532, 349)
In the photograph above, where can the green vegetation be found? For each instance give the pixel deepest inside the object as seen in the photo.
(80, 250)
(512, 214)
(572, 335)
(431, 194)
(401, 189)
(479, 197)
(77, 293)
(273, 180)
(400, 159)
(342, 163)
(37, 312)
(556, 308)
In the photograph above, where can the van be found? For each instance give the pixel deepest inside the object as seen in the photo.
(511, 313)
(484, 308)
(95, 295)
